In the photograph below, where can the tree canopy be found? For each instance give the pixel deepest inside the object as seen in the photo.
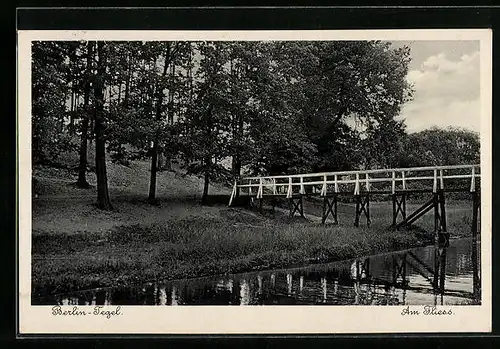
(437, 147)
(267, 107)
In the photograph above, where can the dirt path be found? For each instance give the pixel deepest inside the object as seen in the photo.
(71, 215)
(73, 210)
(61, 207)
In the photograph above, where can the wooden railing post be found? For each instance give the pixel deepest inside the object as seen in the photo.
(302, 189)
(393, 182)
(274, 187)
(403, 179)
(323, 189)
(233, 193)
(434, 185)
(356, 186)
(259, 192)
(289, 192)
(473, 180)
(441, 180)
(367, 182)
(336, 184)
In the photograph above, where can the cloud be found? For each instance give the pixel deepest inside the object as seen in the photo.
(446, 93)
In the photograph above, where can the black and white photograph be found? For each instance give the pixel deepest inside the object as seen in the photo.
(330, 173)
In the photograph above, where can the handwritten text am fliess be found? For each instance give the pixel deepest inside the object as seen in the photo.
(426, 310)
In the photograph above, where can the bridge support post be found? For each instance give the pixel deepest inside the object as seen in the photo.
(399, 270)
(296, 205)
(442, 236)
(476, 206)
(250, 202)
(362, 206)
(398, 206)
(237, 192)
(439, 268)
(362, 270)
(330, 206)
(476, 279)
(273, 203)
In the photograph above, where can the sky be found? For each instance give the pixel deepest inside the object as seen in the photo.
(446, 81)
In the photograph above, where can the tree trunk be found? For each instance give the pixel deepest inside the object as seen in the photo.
(82, 169)
(168, 162)
(236, 167)
(154, 150)
(37, 151)
(71, 112)
(103, 201)
(208, 156)
(127, 82)
(236, 164)
(237, 126)
(190, 74)
(161, 161)
(170, 114)
(208, 165)
(152, 181)
(119, 93)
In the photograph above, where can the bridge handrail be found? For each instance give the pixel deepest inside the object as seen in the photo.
(438, 178)
(351, 181)
(345, 173)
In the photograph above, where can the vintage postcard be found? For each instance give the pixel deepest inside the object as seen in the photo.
(254, 182)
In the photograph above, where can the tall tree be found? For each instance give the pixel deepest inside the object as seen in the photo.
(383, 145)
(267, 107)
(103, 200)
(441, 147)
(144, 119)
(278, 141)
(82, 169)
(49, 89)
(160, 85)
(207, 123)
(343, 83)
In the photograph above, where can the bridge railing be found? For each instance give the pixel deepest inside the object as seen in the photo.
(381, 180)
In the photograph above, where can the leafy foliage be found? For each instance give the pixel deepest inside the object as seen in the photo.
(433, 147)
(262, 107)
(49, 95)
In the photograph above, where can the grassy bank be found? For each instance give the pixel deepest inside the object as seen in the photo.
(194, 247)
(233, 240)
(75, 246)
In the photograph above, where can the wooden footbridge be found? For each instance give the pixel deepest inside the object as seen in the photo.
(397, 182)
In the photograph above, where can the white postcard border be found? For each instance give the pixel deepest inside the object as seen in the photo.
(250, 319)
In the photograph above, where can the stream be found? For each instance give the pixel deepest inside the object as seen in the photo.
(428, 275)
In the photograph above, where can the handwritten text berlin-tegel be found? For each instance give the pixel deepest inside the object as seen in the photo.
(98, 310)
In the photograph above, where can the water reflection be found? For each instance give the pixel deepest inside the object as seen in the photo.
(431, 275)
